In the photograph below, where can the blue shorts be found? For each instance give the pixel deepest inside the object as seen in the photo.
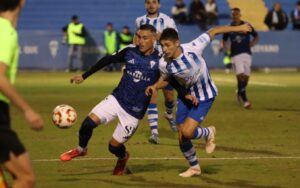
(169, 87)
(197, 113)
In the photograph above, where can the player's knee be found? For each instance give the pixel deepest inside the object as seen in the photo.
(186, 132)
(118, 151)
(169, 96)
(87, 125)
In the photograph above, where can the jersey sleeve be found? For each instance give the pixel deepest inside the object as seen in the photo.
(171, 24)
(253, 32)
(201, 42)
(6, 48)
(117, 57)
(137, 24)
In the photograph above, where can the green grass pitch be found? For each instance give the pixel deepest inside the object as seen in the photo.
(257, 148)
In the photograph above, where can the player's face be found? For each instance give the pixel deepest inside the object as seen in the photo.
(145, 41)
(152, 6)
(170, 48)
(236, 16)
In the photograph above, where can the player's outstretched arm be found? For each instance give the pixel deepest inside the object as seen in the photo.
(35, 120)
(226, 29)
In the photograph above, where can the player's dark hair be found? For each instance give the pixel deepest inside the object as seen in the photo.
(7, 5)
(298, 3)
(148, 27)
(157, 1)
(236, 9)
(169, 34)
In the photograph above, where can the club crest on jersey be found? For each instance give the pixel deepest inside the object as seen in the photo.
(152, 64)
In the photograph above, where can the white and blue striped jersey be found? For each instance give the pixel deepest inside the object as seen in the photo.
(190, 70)
(161, 22)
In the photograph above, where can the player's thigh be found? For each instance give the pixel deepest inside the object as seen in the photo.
(182, 112)
(247, 59)
(238, 64)
(9, 143)
(20, 166)
(106, 110)
(199, 113)
(126, 128)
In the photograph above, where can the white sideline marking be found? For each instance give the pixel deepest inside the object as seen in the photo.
(170, 158)
(252, 82)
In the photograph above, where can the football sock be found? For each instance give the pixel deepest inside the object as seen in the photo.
(242, 89)
(117, 151)
(169, 107)
(153, 118)
(86, 131)
(200, 133)
(189, 152)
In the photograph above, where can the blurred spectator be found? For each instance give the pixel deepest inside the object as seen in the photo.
(276, 19)
(295, 16)
(126, 37)
(75, 35)
(179, 12)
(197, 13)
(110, 43)
(211, 12)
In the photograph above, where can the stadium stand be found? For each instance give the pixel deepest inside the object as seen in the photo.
(53, 14)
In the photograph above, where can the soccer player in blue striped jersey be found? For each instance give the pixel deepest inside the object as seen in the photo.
(160, 21)
(187, 66)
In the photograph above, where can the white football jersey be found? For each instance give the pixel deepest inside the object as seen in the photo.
(190, 69)
(160, 23)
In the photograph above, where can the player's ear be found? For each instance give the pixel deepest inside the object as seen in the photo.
(177, 43)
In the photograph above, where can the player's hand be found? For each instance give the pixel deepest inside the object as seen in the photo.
(77, 79)
(35, 120)
(150, 90)
(193, 99)
(245, 28)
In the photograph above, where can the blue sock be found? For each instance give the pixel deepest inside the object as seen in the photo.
(117, 151)
(169, 107)
(200, 133)
(189, 152)
(153, 118)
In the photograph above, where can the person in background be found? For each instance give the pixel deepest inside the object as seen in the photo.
(211, 12)
(241, 58)
(179, 12)
(197, 14)
(110, 43)
(276, 19)
(125, 37)
(75, 34)
(295, 16)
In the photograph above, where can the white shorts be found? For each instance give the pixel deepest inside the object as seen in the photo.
(110, 109)
(241, 64)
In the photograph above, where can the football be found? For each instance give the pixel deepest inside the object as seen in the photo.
(64, 116)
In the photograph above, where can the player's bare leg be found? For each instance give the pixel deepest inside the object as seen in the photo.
(20, 167)
(85, 133)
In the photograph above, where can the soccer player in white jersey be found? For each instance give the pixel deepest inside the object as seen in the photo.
(160, 21)
(187, 66)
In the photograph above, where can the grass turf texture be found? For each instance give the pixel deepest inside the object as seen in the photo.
(270, 129)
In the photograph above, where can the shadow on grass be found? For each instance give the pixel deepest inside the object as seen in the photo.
(282, 109)
(240, 150)
(235, 183)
